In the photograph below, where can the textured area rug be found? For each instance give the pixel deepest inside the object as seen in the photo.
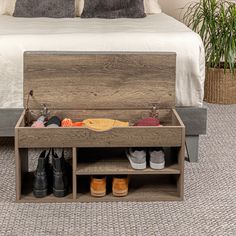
(209, 207)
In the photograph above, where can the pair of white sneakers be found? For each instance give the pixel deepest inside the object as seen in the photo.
(138, 158)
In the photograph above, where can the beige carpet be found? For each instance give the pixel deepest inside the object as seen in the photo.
(209, 207)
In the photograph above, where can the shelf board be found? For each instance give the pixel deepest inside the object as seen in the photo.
(138, 196)
(121, 167)
(29, 197)
(98, 162)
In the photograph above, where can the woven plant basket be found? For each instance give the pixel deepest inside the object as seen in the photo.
(220, 88)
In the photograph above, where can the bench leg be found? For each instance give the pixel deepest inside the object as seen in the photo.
(192, 143)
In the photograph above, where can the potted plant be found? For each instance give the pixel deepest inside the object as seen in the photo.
(215, 22)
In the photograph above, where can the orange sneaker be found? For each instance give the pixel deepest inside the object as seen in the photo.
(98, 186)
(120, 186)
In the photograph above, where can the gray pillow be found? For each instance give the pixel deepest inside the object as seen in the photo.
(113, 9)
(45, 8)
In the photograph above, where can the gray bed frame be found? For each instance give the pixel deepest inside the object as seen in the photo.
(195, 120)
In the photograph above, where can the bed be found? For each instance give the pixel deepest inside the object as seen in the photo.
(155, 33)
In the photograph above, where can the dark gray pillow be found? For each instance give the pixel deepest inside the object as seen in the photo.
(45, 8)
(113, 9)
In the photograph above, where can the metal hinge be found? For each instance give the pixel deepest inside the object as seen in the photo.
(155, 110)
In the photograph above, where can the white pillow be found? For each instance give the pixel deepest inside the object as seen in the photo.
(151, 7)
(2, 6)
(7, 7)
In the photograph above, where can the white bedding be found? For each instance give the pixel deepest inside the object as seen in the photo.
(157, 32)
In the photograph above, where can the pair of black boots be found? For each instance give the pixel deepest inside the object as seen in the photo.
(53, 177)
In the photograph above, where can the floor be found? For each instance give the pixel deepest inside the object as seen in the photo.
(209, 207)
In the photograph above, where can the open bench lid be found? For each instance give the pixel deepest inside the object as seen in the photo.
(86, 80)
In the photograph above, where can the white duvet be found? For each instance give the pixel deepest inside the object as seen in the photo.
(157, 32)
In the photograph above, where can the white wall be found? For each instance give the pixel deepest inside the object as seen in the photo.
(173, 7)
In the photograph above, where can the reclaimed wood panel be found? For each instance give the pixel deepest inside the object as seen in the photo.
(120, 168)
(116, 137)
(99, 80)
(144, 194)
(110, 161)
(74, 167)
(131, 116)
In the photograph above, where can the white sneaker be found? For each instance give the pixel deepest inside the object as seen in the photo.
(137, 158)
(157, 158)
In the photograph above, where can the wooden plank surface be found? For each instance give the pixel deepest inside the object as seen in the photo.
(142, 195)
(110, 161)
(181, 158)
(99, 80)
(116, 137)
(74, 177)
(131, 116)
(30, 198)
(120, 168)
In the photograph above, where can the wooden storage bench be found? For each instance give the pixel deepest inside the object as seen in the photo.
(123, 86)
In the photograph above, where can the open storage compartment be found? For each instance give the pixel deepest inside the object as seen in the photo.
(122, 86)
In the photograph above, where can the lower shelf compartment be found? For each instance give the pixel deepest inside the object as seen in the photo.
(28, 196)
(141, 188)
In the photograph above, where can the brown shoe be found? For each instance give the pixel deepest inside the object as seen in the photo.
(120, 186)
(98, 186)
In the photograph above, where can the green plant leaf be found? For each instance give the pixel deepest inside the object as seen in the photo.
(215, 22)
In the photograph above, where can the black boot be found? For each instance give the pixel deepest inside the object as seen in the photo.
(41, 176)
(60, 175)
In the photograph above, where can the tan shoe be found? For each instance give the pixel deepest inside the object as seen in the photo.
(98, 186)
(120, 186)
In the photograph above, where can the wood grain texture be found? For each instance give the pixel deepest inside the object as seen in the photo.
(116, 137)
(111, 161)
(131, 116)
(21, 159)
(100, 80)
(144, 194)
(18, 167)
(120, 86)
(74, 168)
(120, 168)
(176, 120)
(181, 157)
(30, 198)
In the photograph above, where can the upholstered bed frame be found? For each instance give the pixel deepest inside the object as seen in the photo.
(195, 120)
